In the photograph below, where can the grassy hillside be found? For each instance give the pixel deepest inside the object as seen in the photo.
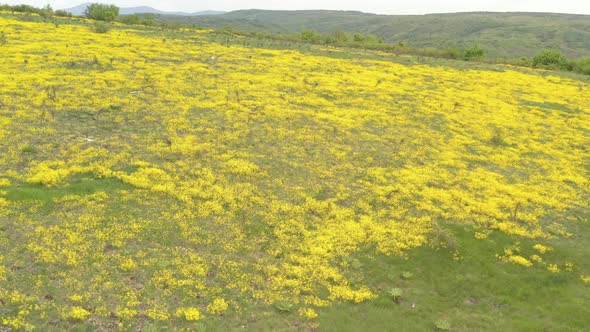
(156, 179)
(507, 35)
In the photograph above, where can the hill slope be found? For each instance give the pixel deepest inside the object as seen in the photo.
(156, 180)
(501, 34)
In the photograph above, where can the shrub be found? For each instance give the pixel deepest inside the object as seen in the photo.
(396, 294)
(62, 13)
(497, 138)
(524, 62)
(550, 59)
(357, 37)
(581, 66)
(449, 53)
(23, 9)
(310, 35)
(45, 12)
(149, 19)
(284, 306)
(340, 36)
(474, 53)
(101, 27)
(28, 149)
(100, 12)
(442, 325)
(129, 19)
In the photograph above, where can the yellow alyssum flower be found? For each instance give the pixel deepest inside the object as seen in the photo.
(79, 313)
(126, 313)
(509, 256)
(218, 307)
(542, 249)
(157, 314)
(537, 258)
(520, 260)
(308, 313)
(189, 314)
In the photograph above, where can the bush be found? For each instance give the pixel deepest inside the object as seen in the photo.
(24, 9)
(149, 19)
(100, 12)
(523, 62)
(284, 307)
(129, 19)
(442, 325)
(581, 66)
(450, 53)
(310, 36)
(550, 59)
(45, 12)
(357, 37)
(474, 53)
(340, 37)
(62, 13)
(396, 294)
(101, 27)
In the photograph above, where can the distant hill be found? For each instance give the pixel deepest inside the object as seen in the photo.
(79, 10)
(501, 34)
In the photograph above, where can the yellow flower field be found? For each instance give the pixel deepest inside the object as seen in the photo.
(148, 177)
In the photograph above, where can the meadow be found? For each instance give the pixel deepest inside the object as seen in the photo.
(162, 180)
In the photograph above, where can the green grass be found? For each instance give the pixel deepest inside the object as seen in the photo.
(78, 185)
(551, 106)
(475, 293)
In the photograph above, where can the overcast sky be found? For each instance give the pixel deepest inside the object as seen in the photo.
(371, 6)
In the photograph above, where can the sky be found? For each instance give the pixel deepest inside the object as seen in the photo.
(370, 6)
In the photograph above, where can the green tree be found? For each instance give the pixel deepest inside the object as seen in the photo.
(101, 12)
